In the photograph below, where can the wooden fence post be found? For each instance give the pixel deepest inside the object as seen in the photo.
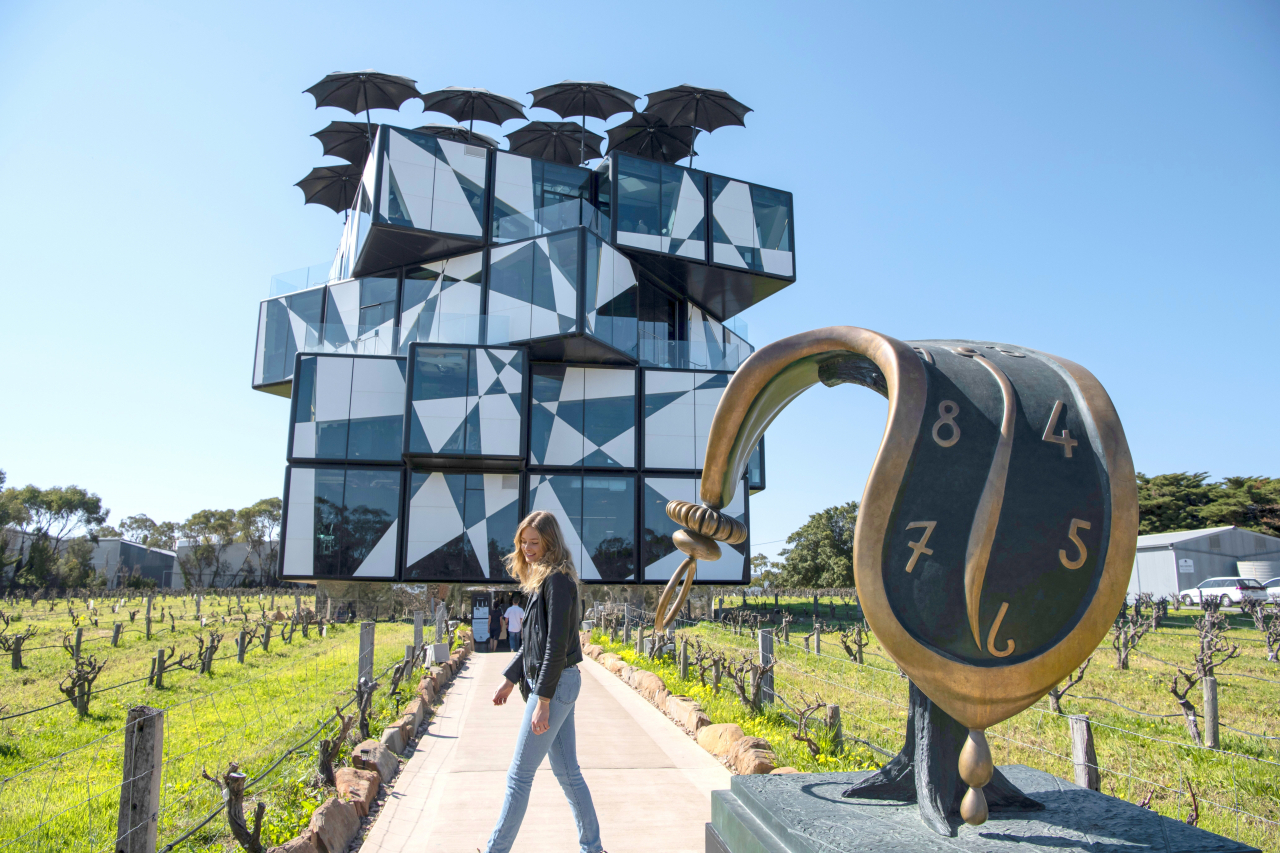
(626, 623)
(242, 645)
(1083, 755)
(815, 607)
(79, 637)
(1211, 712)
(159, 669)
(835, 727)
(765, 639)
(684, 659)
(364, 663)
(715, 676)
(115, 634)
(817, 637)
(138, 817)
(418, 618)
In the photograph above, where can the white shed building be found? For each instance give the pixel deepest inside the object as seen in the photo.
(1168, 563)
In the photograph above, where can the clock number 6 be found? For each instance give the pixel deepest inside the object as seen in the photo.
(947, 411)
(1076, 524)
(1065, 439)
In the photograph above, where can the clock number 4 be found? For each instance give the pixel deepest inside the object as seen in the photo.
(919, 548)
(1076, 524)
(1064, 439)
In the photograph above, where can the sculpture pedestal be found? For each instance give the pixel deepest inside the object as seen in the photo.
(805, 813)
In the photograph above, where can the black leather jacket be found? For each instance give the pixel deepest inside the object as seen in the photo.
(549, 637)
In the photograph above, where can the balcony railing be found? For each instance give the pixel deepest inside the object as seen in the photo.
(691, 355)
(300, 279)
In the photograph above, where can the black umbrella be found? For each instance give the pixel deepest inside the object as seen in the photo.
(333, 186)
(360, 91)
(346, 139)
(702, 109)
(582, 98)
(463, 103)
(650, 136)
(555, 140)
(458, 134)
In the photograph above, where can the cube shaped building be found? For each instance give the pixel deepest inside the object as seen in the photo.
(499, 334)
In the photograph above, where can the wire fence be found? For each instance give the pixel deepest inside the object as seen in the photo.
(1237, 790)
(64, 774)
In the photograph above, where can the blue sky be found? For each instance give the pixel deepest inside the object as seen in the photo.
(1096, 180)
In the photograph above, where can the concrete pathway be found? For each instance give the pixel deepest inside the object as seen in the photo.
(650, 782)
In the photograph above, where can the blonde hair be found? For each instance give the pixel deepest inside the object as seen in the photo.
(555, 556)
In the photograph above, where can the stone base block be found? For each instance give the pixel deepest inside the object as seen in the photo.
(804, 813)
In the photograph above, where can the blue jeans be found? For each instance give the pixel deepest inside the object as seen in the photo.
(513, 640)
(560, 745)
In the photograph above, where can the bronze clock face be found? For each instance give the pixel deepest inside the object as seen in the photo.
(997, 542)
(998, 526)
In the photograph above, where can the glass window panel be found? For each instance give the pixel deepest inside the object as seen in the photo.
(616, 320)
(441, 380)
(657, 326)
(328, 520)
(772, 210)
(371, 503)
(639, 191)
(304, 391)
(375, 438)
(608, 526)
(755, 467)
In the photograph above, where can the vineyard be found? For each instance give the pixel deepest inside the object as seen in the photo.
(1138, 705)
(245, 679)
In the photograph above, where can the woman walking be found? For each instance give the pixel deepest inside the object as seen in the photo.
(546, 671)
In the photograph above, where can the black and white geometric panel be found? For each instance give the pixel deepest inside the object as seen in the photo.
(661, 558)
(678, 408)
(466, 401)
(596, 514)
(461, 526)
(287, 325)
(661, 208)
(348, 407)
(583, 416)
(751, 227)
(533, 289)
(360, 316)
(612, 294)
(433, 184)
(441, 302)
(706, 340)
(341, 522)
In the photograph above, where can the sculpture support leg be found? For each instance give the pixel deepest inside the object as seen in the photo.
(925, 771)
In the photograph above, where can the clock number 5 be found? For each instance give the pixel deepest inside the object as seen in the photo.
(1076, 524)
(1065, 439)
(947, 411)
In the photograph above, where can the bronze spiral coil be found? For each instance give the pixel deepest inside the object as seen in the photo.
(703, 527)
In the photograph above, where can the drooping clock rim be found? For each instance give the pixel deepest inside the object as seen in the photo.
(976, 696)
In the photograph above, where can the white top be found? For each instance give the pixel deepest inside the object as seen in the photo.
(514, 616)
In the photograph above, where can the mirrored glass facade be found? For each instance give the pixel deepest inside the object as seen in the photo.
(499, 334)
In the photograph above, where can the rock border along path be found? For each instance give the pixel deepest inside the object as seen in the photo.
(651, 784)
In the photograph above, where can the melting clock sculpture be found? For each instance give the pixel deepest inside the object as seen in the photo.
(994, 541)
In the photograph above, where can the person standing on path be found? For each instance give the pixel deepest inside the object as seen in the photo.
(515, 620)
(546, 671)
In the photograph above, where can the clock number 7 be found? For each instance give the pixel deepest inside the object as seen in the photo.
(1076, 524)
(919, 548)
(1065, 439)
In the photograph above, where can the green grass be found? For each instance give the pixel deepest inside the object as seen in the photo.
(61, 774)
(1238, 786)
(724, 707)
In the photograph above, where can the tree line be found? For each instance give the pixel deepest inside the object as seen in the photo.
(820, 553)
(47, 539)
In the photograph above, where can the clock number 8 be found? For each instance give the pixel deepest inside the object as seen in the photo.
(947, 411)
